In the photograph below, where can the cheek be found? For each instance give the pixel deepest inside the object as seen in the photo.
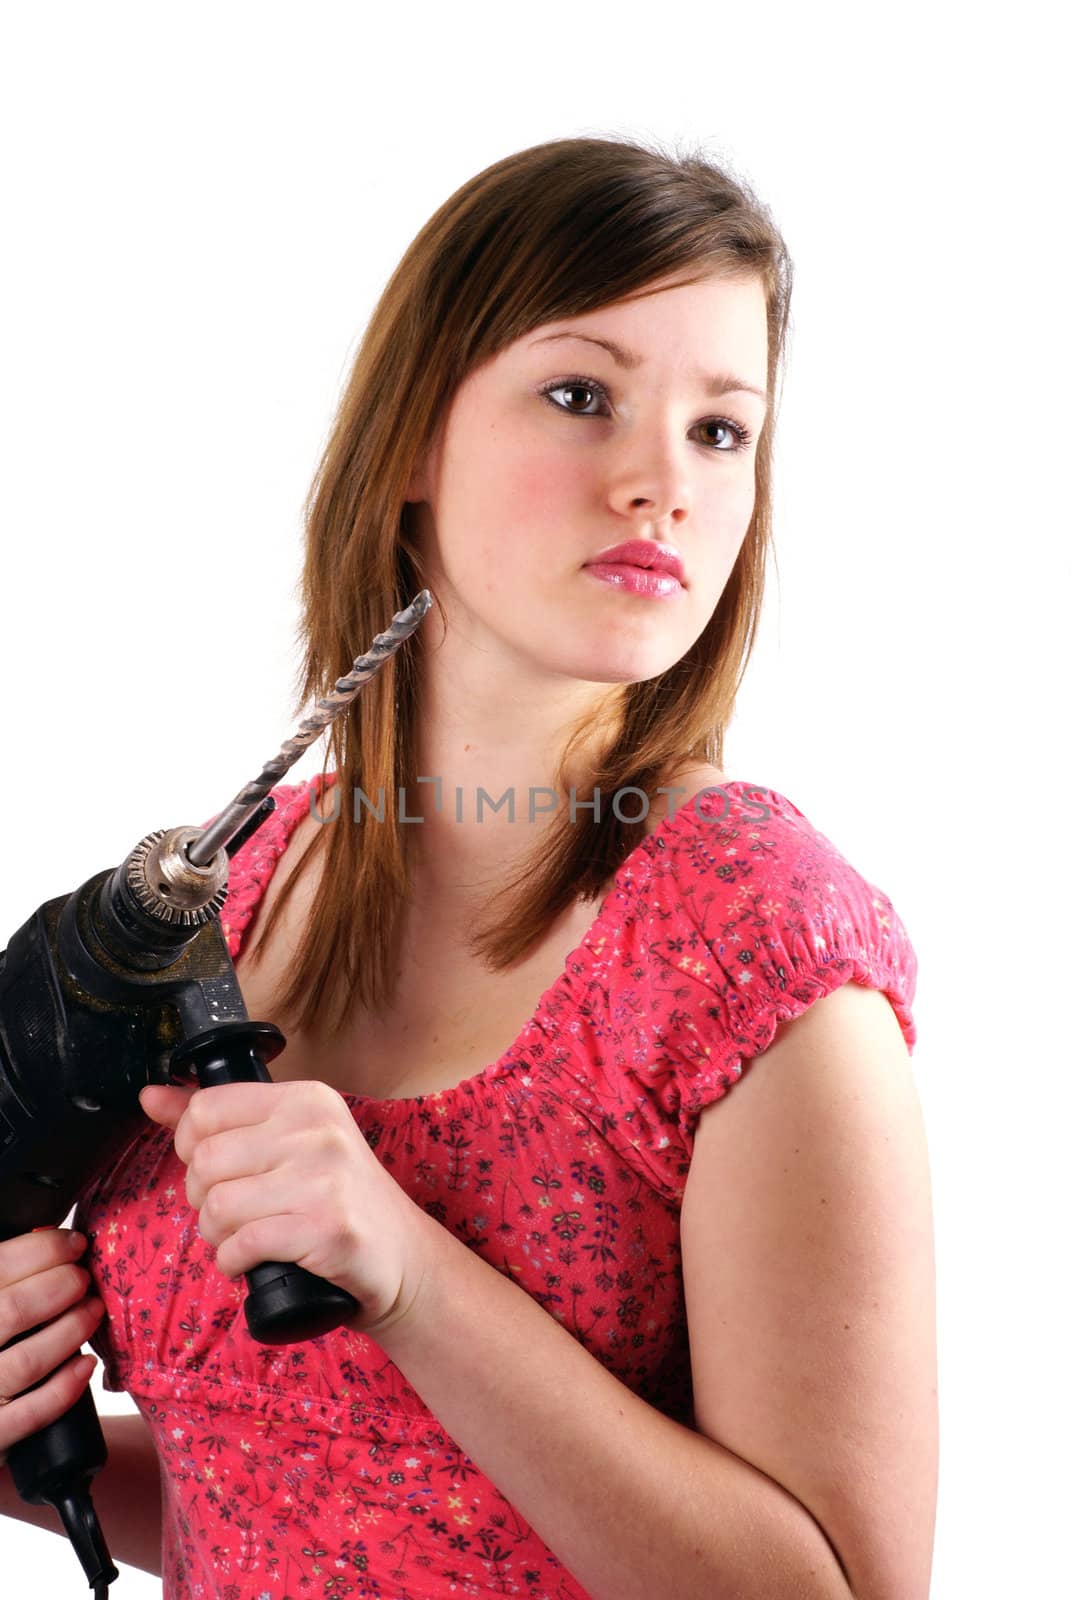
(538, 487)
(728, 510)
(724, 518)
(519, 515)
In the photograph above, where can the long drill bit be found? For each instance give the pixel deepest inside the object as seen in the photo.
(346, 689)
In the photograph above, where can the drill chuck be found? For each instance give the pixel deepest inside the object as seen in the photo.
(168, 886)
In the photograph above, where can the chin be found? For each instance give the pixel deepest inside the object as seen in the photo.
(623, 666)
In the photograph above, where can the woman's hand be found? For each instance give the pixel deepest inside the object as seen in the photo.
(281, 1172)
(39, 1279)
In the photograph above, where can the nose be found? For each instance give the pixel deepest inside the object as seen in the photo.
(653, 480)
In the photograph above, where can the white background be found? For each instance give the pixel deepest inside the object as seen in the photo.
(202, 204)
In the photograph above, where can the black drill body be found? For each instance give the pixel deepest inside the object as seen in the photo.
(79, 1038)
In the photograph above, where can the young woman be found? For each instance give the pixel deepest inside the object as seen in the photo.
(622, 1333)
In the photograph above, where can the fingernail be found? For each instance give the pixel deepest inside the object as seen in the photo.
(77, 1241)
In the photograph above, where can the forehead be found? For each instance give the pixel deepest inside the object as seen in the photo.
(713, 332)
(720, 319)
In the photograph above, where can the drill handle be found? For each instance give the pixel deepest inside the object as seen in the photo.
(285, 1304)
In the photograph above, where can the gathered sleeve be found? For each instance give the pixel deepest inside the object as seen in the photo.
(747, 921)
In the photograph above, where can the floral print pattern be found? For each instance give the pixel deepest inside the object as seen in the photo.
(315, 1469)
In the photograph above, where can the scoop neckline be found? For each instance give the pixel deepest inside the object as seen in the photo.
(494, 1071)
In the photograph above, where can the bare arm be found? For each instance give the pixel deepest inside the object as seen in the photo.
(636, 1505)
(126, 1496)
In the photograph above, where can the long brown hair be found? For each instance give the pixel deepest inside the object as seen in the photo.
(548, 233)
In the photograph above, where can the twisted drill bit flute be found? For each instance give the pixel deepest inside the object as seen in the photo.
(346, 689)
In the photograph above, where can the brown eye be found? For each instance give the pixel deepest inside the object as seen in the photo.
(737, 429)
(588, 386)
(574, 386)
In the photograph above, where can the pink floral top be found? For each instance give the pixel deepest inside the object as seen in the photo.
(314, 1469)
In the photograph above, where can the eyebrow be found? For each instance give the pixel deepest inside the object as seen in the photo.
(722, 383)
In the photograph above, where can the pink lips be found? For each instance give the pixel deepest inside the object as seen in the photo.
(640, 567)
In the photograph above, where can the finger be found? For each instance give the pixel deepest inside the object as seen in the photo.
(284, 1195)
(165, 1104)
(234, 1153)
(28, 1253)
(266, 1218)
(292, 1236)
(241, 1202)
(224, 1105)
(32, 1359)
(38, 1298)
(29, 1413)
